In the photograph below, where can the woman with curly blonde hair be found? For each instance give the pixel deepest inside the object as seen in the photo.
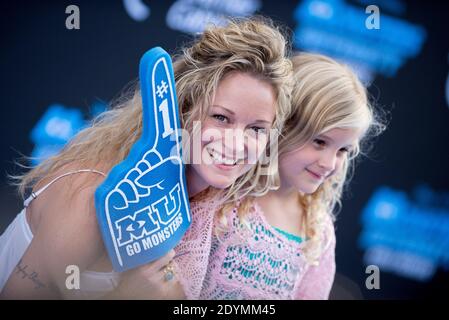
(281, 245)
(233, 77)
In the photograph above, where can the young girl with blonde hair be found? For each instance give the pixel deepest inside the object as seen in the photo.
(282, 245)
(231, 77)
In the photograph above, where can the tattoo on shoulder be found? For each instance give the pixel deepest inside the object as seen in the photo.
(26, 273)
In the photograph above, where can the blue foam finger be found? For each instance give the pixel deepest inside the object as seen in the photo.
(142, 206)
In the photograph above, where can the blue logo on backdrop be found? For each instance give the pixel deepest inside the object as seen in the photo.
(142, 206)
(337, 28)
(407, 235)
(56, 127)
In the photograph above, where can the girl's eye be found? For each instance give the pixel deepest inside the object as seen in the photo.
(343, 151)
(319, 142)
(220, 117)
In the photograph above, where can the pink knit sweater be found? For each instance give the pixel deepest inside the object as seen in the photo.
(248, 261)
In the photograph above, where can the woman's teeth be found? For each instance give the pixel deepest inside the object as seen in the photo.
(220, 159)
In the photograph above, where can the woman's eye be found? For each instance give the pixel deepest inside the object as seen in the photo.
(220, 117)
(259, 130)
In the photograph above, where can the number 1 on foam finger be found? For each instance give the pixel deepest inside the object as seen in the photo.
(163, 107)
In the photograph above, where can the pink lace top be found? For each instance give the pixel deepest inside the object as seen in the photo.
(249, 261)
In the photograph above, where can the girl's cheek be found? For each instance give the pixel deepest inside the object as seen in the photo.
(337, 169)
(289, 163)
(339, 164)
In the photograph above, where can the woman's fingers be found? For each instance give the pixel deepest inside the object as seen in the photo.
(158, 264)
(155, 280)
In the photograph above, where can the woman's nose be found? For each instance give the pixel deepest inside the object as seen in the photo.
(235, 143)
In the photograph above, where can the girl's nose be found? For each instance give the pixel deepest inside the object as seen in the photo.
(328, 162)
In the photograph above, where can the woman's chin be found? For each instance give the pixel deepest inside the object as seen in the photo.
(220, 182)
(214, 178)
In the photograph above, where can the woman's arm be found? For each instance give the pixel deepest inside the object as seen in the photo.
(67, 234)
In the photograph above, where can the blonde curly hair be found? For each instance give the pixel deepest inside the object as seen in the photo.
(251, 45)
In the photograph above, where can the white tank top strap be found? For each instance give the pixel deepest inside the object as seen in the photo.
(34, 195)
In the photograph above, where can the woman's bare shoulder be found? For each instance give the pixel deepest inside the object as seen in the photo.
(67, 218)
(74, 191)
